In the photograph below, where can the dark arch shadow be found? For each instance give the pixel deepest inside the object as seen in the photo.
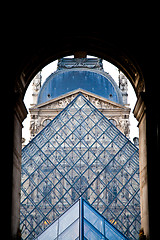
(39, 55)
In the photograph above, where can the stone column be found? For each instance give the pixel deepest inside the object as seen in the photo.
(140, 114)
(20, 114)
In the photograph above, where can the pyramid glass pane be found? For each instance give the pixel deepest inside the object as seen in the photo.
(65, 227)
(81, 221)
(80, 153)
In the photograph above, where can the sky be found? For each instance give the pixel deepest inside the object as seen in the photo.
(108, 67)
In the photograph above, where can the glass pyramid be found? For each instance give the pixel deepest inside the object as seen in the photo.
(81, 221)
(80, 153)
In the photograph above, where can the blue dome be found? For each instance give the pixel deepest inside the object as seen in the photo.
(91, 80)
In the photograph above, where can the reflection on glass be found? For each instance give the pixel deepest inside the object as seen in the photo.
(112, 233)
(50, 233)
(69, 217)
(72, 232)
(90, 232)
(94, 218)
(66, 227)
(97, 227)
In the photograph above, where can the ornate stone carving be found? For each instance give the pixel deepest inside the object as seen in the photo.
(124, 126)
(53, 107)
(136, 76)
(62, 103)
(68, 63)
(34, 127)
(36, 84)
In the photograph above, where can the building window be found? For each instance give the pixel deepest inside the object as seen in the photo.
(113, 122)
(45, 122)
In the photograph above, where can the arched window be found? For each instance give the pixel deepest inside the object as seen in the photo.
(113, 122)
(45, 122)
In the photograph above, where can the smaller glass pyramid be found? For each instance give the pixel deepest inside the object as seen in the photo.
(81, 221)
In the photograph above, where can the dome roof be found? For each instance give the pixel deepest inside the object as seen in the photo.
(92, 80)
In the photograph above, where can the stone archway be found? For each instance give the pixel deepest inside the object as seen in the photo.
(41, 55)
(80, 45)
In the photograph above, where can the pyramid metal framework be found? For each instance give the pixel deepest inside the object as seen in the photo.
(80, 153)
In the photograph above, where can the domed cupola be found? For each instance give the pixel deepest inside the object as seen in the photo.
(80, 73)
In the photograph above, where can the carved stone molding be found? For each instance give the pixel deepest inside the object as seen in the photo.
(134, 74)
(64, 101)
(140, 107)
(50, 109)
(92, 63)
(20, 110)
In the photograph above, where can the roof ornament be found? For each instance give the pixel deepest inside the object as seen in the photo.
(68, 63)
(123, 86)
